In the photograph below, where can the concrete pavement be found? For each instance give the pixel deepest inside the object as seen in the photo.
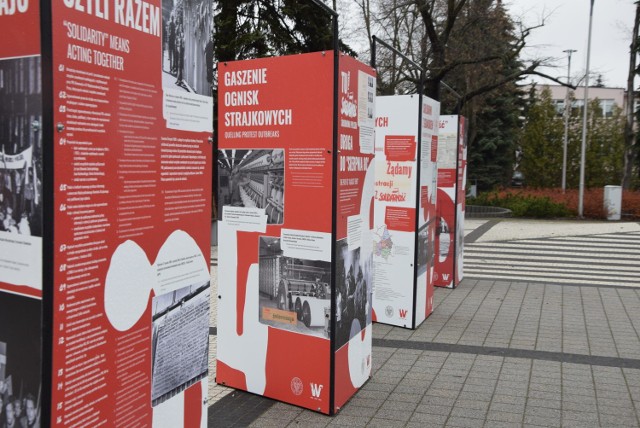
(496, 352)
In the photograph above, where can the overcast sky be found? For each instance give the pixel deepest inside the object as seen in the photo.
(566, 27)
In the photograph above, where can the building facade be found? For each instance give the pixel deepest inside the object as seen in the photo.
(607, 97)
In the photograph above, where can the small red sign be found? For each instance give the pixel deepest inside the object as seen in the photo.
(400, 148)
(434, 148)
(446, 178)
(400, 218)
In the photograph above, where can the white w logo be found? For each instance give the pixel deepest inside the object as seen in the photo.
(316, 390)
(445, 276)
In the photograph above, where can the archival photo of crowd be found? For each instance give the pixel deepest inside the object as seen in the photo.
(20, 355)
(180, 340)
(353, 292)
(21, 146)
(187, 46)
(295, 294)
(252, 179)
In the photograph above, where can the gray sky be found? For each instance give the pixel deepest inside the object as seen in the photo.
(566, 27)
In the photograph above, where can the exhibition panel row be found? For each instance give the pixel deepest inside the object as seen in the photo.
(329, 218)
(332, 216)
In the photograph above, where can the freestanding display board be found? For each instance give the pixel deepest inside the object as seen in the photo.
(21, 205)
(106, 184)
(295, 276)
(405, 192)
(452, 178)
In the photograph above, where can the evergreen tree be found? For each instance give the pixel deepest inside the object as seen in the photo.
(542, 143)
(494, 115)
(605, 147)
(258, 28)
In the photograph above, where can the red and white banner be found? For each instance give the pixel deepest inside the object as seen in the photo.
(403, 292)
(276, 275)
(17, 161)
(452, 170)
(132, 177)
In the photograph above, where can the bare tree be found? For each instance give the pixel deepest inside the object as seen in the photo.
(438, 33)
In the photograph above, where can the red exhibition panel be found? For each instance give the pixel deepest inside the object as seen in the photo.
(275, 180)
(461, 199)
(276, 184)
(21, 211)
(452, 165)
(133, 117)
(427, 222)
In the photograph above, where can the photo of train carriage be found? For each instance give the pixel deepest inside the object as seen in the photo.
(253, 179)
(295, 294)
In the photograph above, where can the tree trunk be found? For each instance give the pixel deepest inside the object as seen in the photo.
(629, 134)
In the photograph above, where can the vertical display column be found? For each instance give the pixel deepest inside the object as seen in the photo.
(451, 199)
(461, 198)
(279, 278)
(275, 164)
(406, 148)
(21, 216)
(132, 178)
(395, 208)
(425, 256)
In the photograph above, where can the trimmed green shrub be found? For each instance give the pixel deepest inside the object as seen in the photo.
(523, 206)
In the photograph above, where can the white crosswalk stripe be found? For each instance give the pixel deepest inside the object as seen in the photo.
(606, 259)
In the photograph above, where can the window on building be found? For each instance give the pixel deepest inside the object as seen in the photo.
(559, 104)
(607, 107)
(576, 106)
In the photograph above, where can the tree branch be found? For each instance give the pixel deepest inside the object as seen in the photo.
(555, 79)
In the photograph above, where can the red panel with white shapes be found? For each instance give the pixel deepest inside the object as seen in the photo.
(133, 116)
(452, 167)
(276, 287)
(275, 166)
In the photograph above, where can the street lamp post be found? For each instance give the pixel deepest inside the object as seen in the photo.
(567, 112)
(584, 119)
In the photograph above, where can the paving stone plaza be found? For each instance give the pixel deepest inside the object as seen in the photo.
(543, 331)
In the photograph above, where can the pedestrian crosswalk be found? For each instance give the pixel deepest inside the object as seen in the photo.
(603, 259)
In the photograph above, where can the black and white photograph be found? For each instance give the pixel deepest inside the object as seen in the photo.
(460, 240)
(187, 46)
(180, 340)
(252, 179)
(295, 294)
(21, 146)
(353, 292)
(426, 249)
(444, 235)
(20, 360)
